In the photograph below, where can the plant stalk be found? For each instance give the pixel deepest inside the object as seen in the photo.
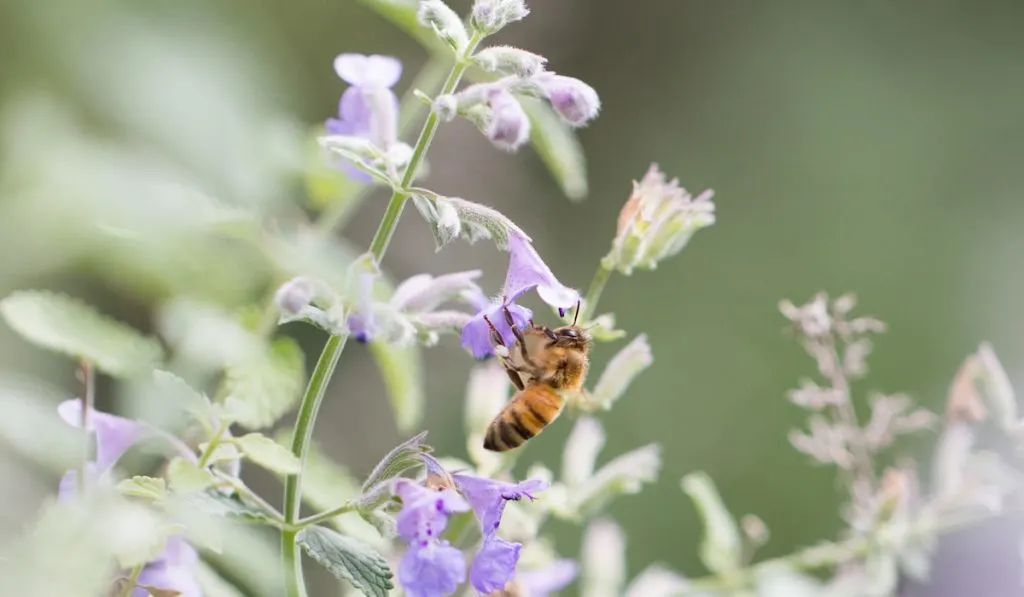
(310, 406)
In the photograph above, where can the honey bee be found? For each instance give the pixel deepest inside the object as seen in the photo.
(543, 363)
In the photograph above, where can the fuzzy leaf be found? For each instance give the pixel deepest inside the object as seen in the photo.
(721, 549)
(556, 144)
(476, 221)
(185, 477)
(267, 383)
(348, 559)
(401, 458)
(147, 488)
(269, 454)
(215, 503)
(67, 325)
(173, 389)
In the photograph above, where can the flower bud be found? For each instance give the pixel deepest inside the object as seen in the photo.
(657, 580)
(575, 101)
(446, 107)
(621, 370)
(604, 559)
(294, 295)
(506, 60)
(721, 550)
(656, 222)
(624, 475)
(507, 126)
(998, 390)
(424, 292)
(449, 226)
(443, 20)
(490, 16)
(581, 450)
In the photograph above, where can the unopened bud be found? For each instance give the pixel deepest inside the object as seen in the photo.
(507, 127)
(604, 559)
(424, 292)
(621, 370)
(721, 549)
(657, 221)
(575, 101)
(449, 226)
(445, 22)
(490, 16)
(294, 295)
(506, 60)
(351, 147)
(755, 530)
(998, 391)
(446, 107)
(657, 580)
(581, 449)
(624, 475)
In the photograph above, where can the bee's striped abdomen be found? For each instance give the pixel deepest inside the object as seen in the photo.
(529, 412)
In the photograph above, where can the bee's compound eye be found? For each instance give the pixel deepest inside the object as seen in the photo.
(570, 333)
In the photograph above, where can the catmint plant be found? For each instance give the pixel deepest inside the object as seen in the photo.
(422, 524)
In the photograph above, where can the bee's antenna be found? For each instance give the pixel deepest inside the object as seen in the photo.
(577, 315)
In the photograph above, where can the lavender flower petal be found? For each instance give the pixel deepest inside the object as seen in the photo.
(174, 570)
(495, 565)
(526, 270)
(488, 497)
(476, 335)
(368, 71)
(114, 434)
(424, 515)
(433, 571)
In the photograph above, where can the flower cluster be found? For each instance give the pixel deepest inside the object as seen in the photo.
(431, 566)
(175, 568)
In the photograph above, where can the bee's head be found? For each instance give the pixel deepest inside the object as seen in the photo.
(570, 336)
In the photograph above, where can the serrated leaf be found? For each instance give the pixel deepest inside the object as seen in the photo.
(348, 559)
(171, 388)
(401, 458)
(267, 453)
(557, 145)
(721, 549)
(216, 503)
(185, 477)
(268, 382)
(148, 488)
(67, 325)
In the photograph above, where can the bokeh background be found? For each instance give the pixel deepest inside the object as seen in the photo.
(872, 147)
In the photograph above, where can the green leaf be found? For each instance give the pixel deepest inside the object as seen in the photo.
(216, 503)
(348, 559)
(402, 13)
(721, 549)
(557, 145)
(173, 389)
(185, 477)
(267, 383)
(401, 458)
(148, 488)
(326, 185)
(267, 453)
(453, 217)
(67, 325)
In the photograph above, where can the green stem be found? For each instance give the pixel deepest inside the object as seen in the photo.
(597, 285)
(325, 516)
(204, 458)
(310, 406)
(300, 443)
(88, 403)
(133, 579)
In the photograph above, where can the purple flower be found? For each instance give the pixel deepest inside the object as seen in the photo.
(488, 497)
(574, 100)
(495, 564)
(368, 109)
(114, 434)
(430, 567)
(526, 271)
(508, 126)
(476, 335)
(174, 570)
(550, 579)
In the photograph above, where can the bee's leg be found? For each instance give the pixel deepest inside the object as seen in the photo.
(510, 369)
(519, 337)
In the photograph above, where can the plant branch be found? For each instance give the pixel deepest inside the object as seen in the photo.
(597, 285)
(88, 403)
(313, 397)
(325, 516)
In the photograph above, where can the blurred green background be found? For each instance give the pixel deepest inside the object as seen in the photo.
(872, 147)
